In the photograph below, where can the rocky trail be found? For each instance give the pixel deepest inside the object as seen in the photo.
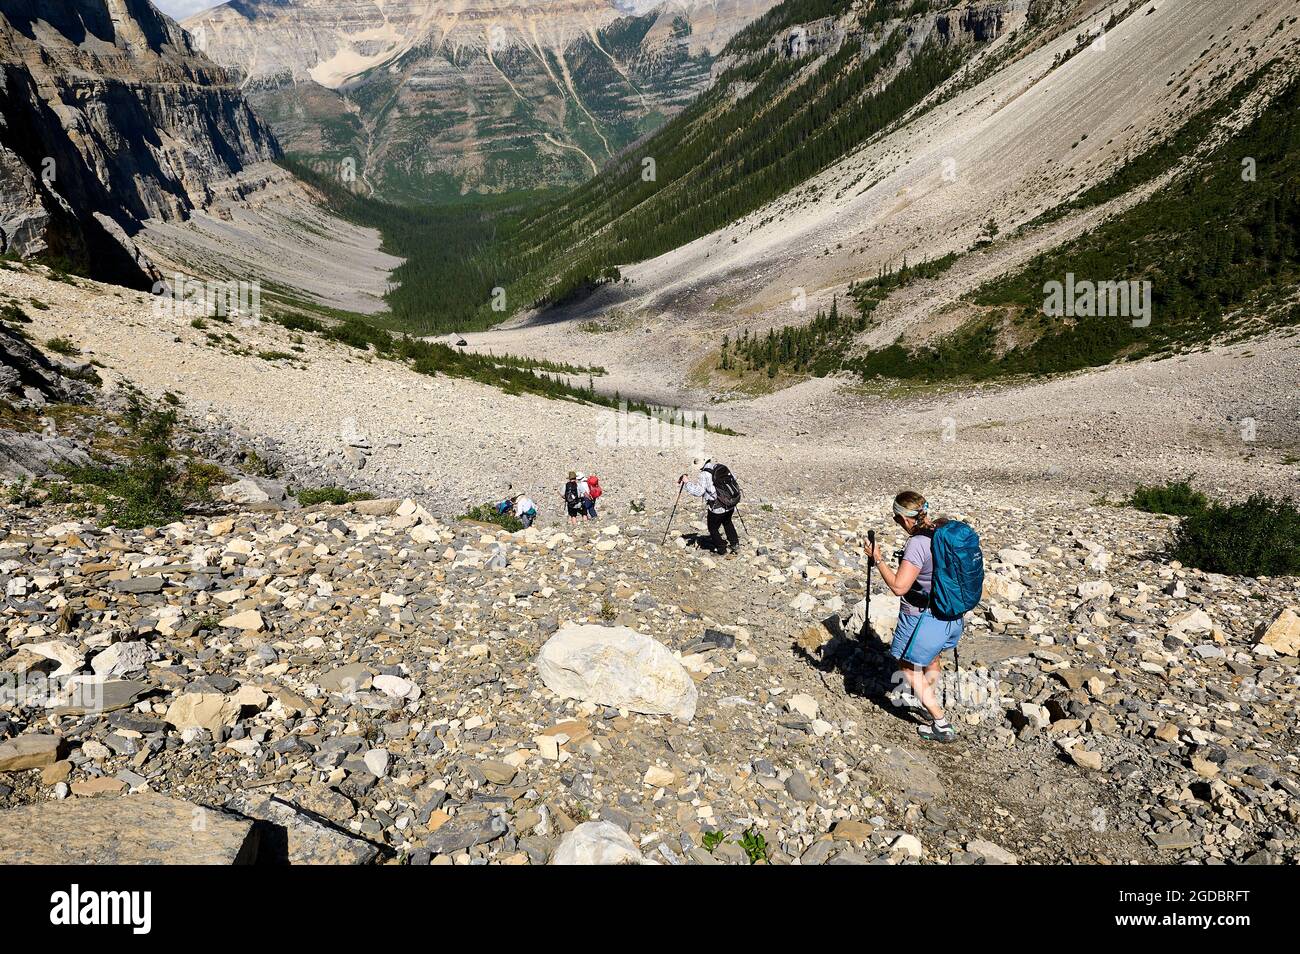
(380, 684)
(384, 682)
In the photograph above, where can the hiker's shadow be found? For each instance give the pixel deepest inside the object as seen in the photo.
(862, 660)
(699, 541)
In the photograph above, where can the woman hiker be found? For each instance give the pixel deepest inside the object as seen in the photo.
(919, 638)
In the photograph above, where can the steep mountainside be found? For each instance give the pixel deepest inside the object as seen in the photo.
(792, 98)
(433, 98)
(846, 140)
(108, 117)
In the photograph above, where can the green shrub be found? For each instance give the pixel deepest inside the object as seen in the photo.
(487, 513)
(299, 323)
(1176, 498)
(1255, 538)
(63, 346)
(311, 496)
(149, 488)
(12, 313)
(755, 846)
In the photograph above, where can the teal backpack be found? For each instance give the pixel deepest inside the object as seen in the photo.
(958, 581)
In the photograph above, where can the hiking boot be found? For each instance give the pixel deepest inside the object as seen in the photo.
(935, 733)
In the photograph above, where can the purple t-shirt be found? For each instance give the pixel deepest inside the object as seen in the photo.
(917, 553)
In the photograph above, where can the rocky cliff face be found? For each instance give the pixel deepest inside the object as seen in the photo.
(108, 117)
(429, 97)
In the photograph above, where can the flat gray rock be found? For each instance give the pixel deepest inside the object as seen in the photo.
(289, 835)
(145, 829)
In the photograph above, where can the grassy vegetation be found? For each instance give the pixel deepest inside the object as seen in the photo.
(311, 496)
(154, 485)
(63, 346)
(12, 314)
(28, 492)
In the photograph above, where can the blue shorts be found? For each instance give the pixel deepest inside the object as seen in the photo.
(919, 639)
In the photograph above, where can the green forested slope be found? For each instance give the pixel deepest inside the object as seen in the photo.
(1220, 246)
(768, 124)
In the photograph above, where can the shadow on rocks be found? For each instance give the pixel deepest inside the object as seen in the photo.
(868, 671)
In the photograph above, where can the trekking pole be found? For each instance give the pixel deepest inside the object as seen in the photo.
(866, 610)
(680, 488)
(745, 525)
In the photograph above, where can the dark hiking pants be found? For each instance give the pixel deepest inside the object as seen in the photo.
(717, 523)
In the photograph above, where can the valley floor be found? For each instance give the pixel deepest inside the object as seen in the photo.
(1230, 416)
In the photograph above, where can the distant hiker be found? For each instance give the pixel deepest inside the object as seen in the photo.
(525, 510)
(573, 499)
(721, 494)
(939, 579)
(594, 491)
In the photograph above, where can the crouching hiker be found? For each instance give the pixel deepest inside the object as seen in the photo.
(525, 510)
(721, 494)
(939, 579)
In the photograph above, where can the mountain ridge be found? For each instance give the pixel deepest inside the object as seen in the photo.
(425, 98)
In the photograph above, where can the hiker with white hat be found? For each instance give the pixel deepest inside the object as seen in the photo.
(721, 494)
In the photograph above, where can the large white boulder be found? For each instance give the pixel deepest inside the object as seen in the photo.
(617, 666)
(597, 843)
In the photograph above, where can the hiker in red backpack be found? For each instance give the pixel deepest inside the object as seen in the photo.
(592, 494)
(939, 579)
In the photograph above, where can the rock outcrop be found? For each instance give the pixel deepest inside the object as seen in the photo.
(140, 829)
(108, 117)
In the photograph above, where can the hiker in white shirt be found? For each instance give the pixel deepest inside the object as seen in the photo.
(525, 510)
(718, 517)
